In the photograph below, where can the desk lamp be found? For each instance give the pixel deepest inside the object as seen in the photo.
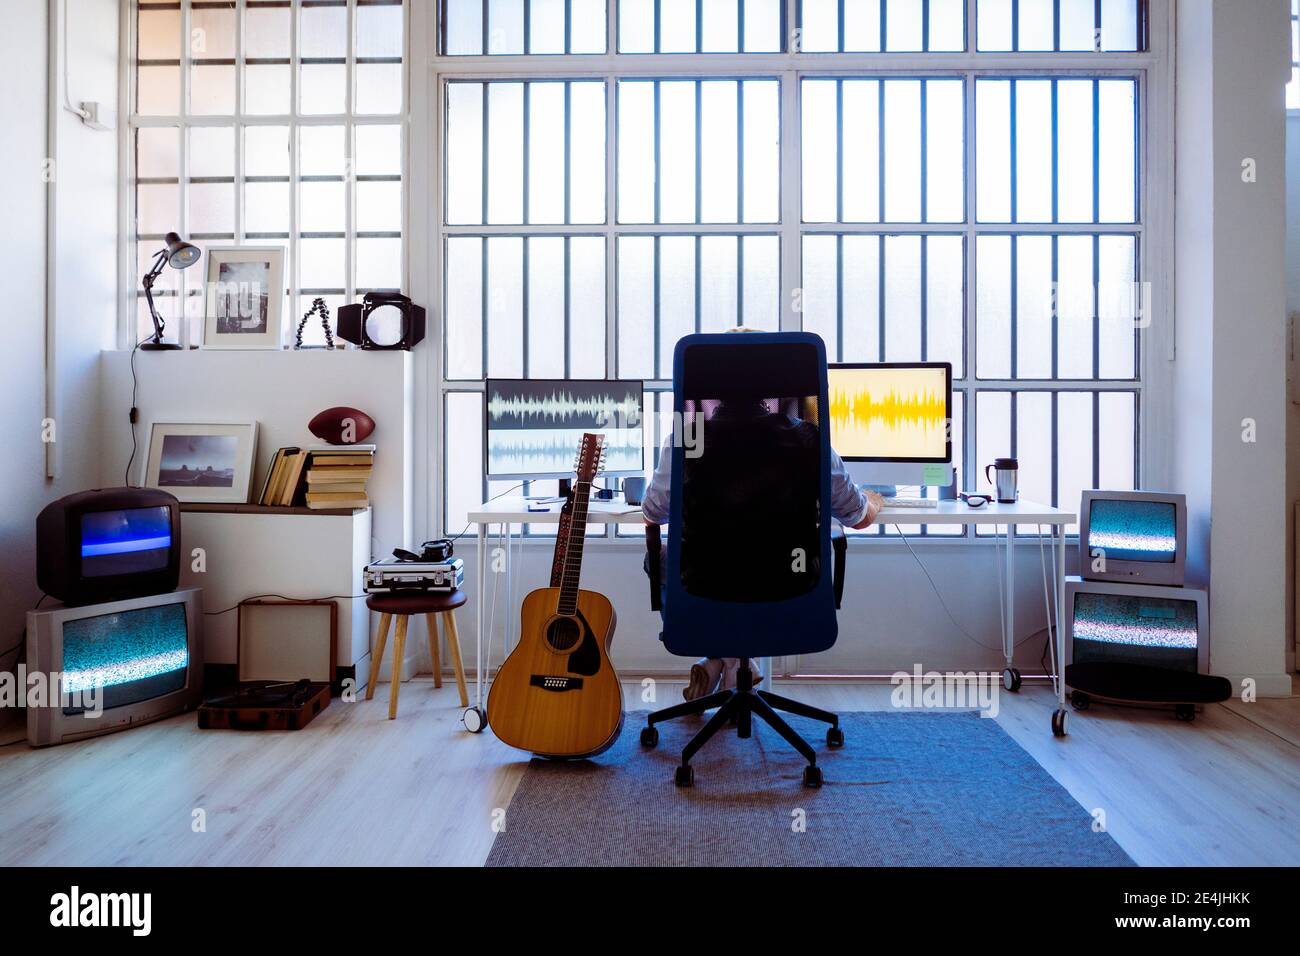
(178, 254)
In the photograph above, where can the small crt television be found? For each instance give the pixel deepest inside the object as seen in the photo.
(95, 669)
(1162, 627)
(1134, 537)
(108, 545)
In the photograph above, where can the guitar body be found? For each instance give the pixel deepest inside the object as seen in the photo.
(557, 694)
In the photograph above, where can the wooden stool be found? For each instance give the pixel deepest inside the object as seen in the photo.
(432, 604)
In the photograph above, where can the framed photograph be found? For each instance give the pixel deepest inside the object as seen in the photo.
(245, 298)
(201, 461)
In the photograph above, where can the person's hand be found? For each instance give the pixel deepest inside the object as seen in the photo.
(874, 505)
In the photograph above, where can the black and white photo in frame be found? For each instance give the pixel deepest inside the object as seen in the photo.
(201, 461)
(244, 299)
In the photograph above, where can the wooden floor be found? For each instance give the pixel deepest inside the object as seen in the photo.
(356, 788)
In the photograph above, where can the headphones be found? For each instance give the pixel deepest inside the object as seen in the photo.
(431, 552)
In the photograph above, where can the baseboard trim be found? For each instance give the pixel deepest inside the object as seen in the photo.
(1266, 685)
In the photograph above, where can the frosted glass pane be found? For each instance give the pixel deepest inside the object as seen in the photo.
(546, 307)
(819, 31)
(993, 306)
(1074, 306)
(718, 145)
(464, 202)
(379, 30)
(379, 264)
(212, 33)
(818, 143)
(159, 34)
(676, 294)
(1119, 24)
(992, 431)
(677, 26)
(819, 292)
(587, 152)
(212, 89)
(464, 479)
(266, 208)
(861, 299)
(379, 206)
(546, 26)
(1074, 150)
(945, 152)
(1034, 307)
(762, 150)
(1116, 427)
(1033, 447)
(323, 32)
(212, 151)
(636, 302)
(903, 150)
(719, 291)
(993, 25)
(721, 26)
(322, 88)
(902, 298)
(505, 167)
(266, 90)
(157, 152)
(945, 300)
(587, 26)
(378, 150)
(505, 26)
(993, 150)
(1073, 450)
(158, 90)
(762, 292)
(1116, 150)
(545, 152)
(464, 317)
(862, 25)
(587, 307)
(505, 306)
(158, 209)
(379, 88)
(636, 152)
(321, 151)
(1035, 26)
(903, 25)
(636, 30)
(677, 152)
(1033, 151)
(464, 23)
(212, 209)
(320, 207)
(947, 25)
(861, 132)
(321, 264)
(762, 26)
(266, 151)
(266, 32)
(1077, 18)
(1119, 304)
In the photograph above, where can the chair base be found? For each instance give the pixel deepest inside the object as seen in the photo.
(742, 705)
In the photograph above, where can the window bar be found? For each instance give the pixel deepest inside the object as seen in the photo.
(525, 164)
(1096, 439)
(839, 24)
(1096, 306)
(1056, 47)
(486, 50)
(528, 32)
(295, 153)
(740, 280)
(1096, 32)
(1014, 164)
(699, 151)
(658, 184)
(568, 305)
(483, 303)
(925, 299)
(1096, 150)
(1056, 462)
(1015, 27)
(740, 28)
(486, 88)
(1056, 145)
(658, 15)
(839, 150)
(1013, 306)
(526, 280)
(880, 143)
(655, 298)
(925, 42)
(1056, 308)
(696, 276)
(349, 144)
(699, 33)
(884, 45)
(740, 147)
(880, 296)
(238, 127)
(568, 28)
(839, 297)
(925, 154)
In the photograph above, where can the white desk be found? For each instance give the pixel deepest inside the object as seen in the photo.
(508, 511)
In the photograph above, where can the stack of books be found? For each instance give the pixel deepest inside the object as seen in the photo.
(320, 478)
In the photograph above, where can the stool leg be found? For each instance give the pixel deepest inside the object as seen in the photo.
(453, 645)
(399, 650)
(431, 621)
(377, 657)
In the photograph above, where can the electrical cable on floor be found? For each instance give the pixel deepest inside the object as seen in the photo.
(283, 597)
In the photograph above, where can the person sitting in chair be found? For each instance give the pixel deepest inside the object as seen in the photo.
(768, 487)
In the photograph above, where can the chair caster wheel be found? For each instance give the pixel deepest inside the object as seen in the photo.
(649, 736)
(685, 776)
(474, 719)
(1185, 712)
(1059, 722)
(835, 737)
(1011, 679)
(1080, 700)
(812, 776)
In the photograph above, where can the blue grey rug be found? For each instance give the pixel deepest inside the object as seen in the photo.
(907, 789)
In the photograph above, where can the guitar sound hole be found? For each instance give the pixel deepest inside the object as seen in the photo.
(564, 634)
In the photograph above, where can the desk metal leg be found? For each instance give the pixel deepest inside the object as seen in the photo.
(475, 717)
(1060, 721)
(1010, 674)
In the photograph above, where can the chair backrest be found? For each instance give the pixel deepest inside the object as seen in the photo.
(749, 566)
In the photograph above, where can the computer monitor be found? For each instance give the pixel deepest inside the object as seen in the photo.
(1139, 537)
(891, 419)
(532, 427)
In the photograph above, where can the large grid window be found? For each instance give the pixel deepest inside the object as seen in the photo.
(270, 123)
(981, 206)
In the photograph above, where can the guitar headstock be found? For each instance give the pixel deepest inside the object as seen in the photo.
(591, 456)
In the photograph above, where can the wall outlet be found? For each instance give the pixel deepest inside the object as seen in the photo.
(98, 115)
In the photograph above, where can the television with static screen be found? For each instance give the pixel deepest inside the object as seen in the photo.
(1137, 537)
(108, 544)
(118, 664)
(1132, 624)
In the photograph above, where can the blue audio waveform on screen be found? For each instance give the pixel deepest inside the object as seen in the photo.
(1130, 530)
(127, 648)
(551, 451)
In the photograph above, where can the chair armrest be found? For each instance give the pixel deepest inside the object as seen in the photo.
(839, 554)
(652, 558)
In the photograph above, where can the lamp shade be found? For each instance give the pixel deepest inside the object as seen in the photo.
(181, 254)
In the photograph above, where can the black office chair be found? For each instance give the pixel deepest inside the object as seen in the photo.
(750, 527)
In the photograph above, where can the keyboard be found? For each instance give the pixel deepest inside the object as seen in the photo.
(920, 503)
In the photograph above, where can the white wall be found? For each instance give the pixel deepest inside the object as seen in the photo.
(85, 283)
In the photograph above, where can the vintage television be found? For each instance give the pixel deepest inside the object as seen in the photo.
(1135, 537)
(1139, 643)
(108, 545)
(120, 664)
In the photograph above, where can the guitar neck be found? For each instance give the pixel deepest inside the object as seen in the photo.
(573, 536)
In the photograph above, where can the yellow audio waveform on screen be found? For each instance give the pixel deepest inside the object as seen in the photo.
(896, 413)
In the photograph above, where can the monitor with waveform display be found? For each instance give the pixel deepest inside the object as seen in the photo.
(1136, 624)
(532, 427)
(1133, 536)
(891, 411)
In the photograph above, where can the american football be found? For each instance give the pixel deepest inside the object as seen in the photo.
(342, 425)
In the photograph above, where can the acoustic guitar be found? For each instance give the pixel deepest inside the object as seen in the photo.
(557, 694)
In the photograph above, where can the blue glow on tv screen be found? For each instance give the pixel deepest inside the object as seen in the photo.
(1127, 628)
(133, 655)
(1133, 530)
(126, 541)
